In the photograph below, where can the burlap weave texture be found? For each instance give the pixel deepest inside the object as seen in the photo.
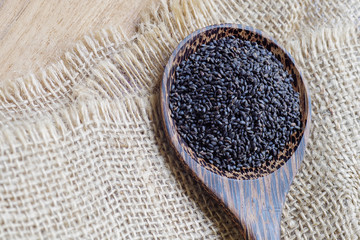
(83, 155)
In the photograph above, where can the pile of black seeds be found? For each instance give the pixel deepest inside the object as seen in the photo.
(234, 104)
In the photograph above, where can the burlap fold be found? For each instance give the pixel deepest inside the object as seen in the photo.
(83, 154)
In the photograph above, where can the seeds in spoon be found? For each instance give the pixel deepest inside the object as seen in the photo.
(234, 104)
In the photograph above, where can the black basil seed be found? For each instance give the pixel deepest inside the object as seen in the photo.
(233, 103)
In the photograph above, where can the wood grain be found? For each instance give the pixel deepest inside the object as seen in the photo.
(254, 196)
(34, 33)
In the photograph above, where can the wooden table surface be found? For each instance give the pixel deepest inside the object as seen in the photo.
(35, 33)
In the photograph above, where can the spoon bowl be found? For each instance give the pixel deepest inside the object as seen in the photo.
(253, 196)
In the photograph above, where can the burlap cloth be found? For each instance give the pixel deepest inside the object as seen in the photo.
(83, 155)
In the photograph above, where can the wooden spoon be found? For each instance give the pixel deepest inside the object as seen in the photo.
(254, 196)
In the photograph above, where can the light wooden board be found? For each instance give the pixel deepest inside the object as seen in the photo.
(34, 33)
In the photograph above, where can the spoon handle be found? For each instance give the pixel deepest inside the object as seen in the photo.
(257, 206)
(257, 203)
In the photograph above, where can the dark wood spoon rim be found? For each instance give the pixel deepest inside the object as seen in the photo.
(183, 50)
